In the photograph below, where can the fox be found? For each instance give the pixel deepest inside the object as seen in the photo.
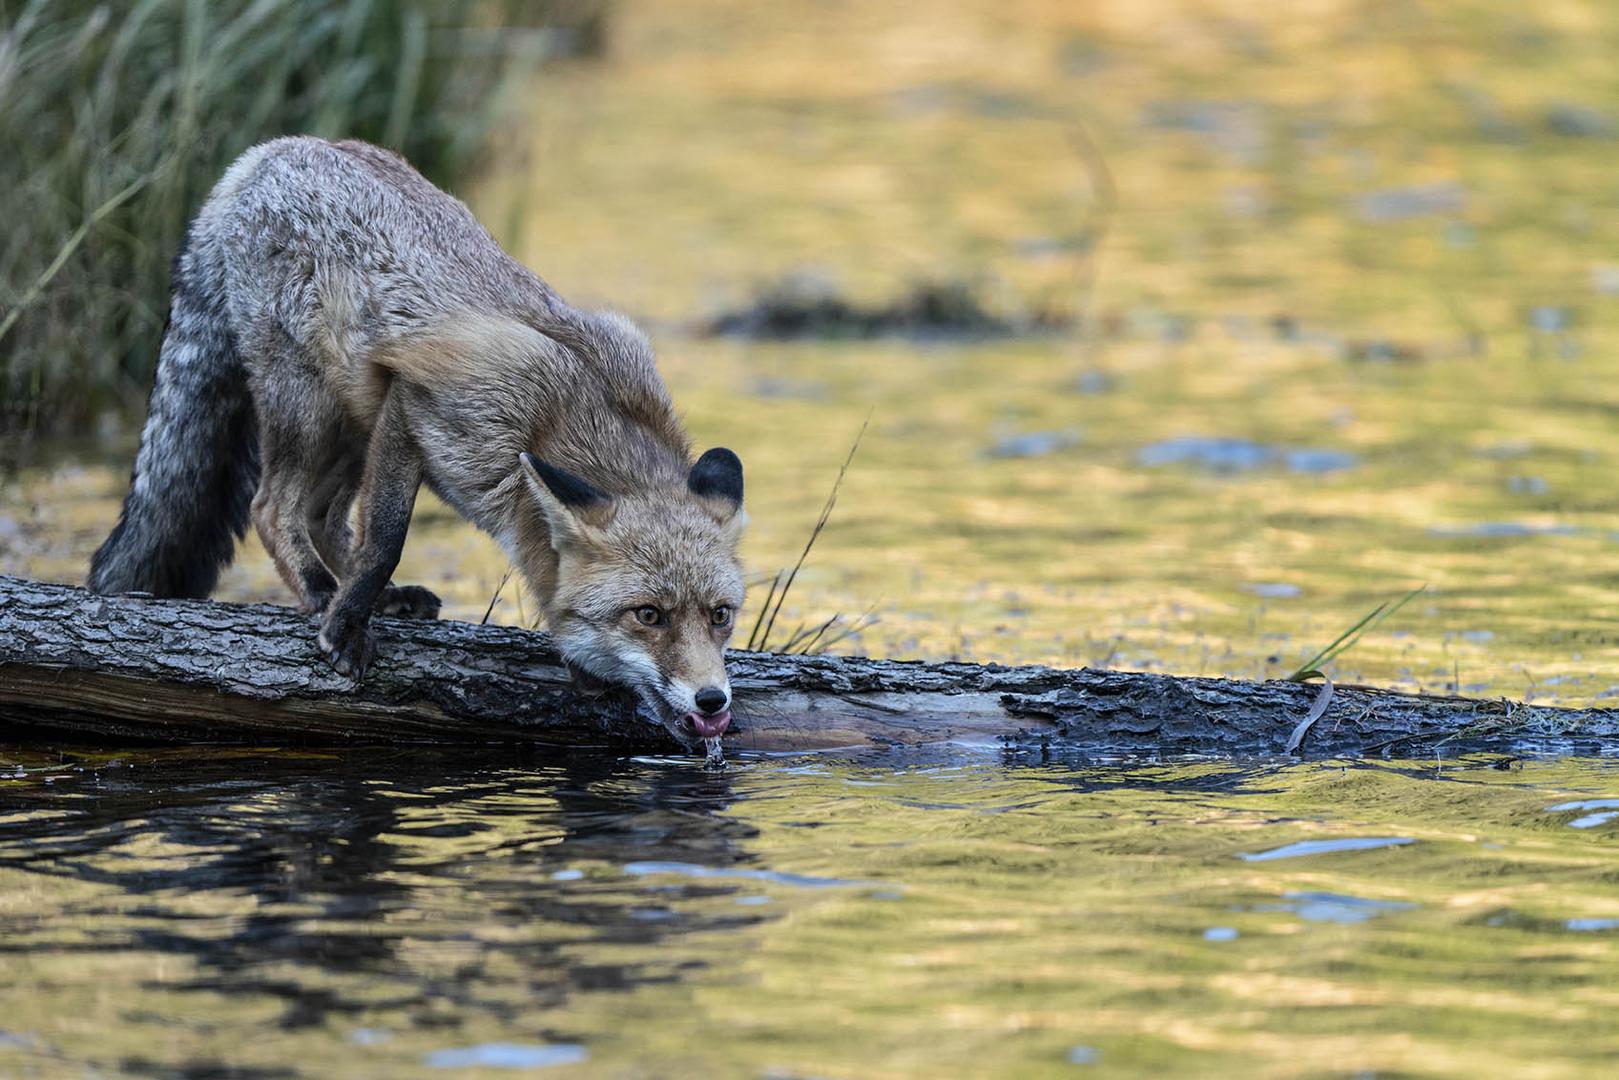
(342, 332)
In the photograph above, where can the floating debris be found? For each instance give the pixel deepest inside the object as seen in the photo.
(810, 305)
(1382, 351)
(1579, 121)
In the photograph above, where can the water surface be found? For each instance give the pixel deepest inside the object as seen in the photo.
(393, 914)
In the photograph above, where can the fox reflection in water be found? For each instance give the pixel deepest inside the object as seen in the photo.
(320, 863)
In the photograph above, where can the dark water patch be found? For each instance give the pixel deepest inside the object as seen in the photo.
(969, 98)
(1527, 485)
(1231, 455)
(1575, 121)
(1412, 201)
(1382, 351)
(1032, 444)
(1237, 129)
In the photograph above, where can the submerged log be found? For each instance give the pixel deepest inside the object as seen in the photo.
(112, 669)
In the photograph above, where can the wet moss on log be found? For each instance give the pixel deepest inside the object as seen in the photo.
(125, 668)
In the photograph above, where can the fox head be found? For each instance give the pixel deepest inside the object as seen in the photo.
(647, 586)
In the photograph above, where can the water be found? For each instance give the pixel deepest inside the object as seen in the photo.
(388, 913)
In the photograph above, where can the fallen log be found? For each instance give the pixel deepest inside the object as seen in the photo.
(113, 669)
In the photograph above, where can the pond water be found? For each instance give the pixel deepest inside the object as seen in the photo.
(1341, 282)
(389, 913)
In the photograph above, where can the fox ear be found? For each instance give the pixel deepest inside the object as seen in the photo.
(573, 506)
(716, 480)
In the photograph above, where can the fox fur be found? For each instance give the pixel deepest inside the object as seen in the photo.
(340, 333)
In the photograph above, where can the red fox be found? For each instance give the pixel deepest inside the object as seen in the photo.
(342, 332)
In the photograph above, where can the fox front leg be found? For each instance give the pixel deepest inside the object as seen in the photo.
(393, 472)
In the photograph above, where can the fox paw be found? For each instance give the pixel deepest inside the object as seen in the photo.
(348, 644)
(408, 602)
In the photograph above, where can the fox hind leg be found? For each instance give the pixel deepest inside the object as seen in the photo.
(297, 420)
(408, 602)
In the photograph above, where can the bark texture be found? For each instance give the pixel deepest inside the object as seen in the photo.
(124, 668)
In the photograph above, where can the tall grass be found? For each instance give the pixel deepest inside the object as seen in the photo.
(116, 118)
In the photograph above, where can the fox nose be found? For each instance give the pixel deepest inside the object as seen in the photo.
(711, 699)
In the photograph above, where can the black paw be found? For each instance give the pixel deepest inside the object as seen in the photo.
(348, 644)
(408, 602)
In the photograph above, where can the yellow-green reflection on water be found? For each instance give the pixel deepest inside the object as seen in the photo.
(1088, 555)
(1301, 190)
(357, 915)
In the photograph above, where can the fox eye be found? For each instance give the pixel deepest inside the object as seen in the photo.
(647, 615)
(720, 616)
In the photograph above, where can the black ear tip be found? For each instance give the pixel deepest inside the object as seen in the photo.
(569, 489)
(717, 474)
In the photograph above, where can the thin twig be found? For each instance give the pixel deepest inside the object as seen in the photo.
(865, 622)
(1317, 710)
(490, 610)
(820, 523)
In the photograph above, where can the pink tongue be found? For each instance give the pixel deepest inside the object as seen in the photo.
(710, 727)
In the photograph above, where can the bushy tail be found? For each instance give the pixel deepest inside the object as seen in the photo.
(198, 464)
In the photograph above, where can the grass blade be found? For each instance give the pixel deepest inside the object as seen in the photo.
(1346, 640)
(753, 638)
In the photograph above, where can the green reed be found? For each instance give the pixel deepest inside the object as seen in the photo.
(118, 118)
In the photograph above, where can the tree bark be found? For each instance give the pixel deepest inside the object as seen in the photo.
(112, 669)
